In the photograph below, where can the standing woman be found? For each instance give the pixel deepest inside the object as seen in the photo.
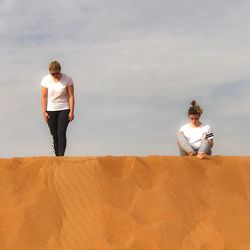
(57, 105)
(195, 138)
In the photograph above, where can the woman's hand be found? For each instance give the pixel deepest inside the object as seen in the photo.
(46, 116)
(71, 116)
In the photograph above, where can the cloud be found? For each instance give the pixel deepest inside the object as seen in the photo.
(136, 66)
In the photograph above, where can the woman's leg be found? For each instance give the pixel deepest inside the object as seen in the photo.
(63, 121)
(205, 148)
(52, 123)
(184, 146)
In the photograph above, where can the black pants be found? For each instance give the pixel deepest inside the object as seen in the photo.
(58, 123)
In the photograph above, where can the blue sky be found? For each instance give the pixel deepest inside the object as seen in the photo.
(136, 66)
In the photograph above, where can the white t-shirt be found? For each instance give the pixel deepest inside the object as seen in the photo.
(195, 135)
(57, 92)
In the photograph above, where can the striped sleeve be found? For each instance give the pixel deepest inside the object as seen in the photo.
(209, 134)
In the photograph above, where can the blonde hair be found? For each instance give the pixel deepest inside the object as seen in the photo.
(195, 109)
(55, 65)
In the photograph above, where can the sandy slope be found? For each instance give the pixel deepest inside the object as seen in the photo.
(135, 203)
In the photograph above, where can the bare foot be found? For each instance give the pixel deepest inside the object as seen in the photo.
(202, 156)
(191, 153)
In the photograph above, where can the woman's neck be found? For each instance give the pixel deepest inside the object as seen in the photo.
(57, 79)
(196, 125)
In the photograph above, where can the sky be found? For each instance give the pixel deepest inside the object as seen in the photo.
(136, 66)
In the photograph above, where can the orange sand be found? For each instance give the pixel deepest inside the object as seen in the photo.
(121, 203)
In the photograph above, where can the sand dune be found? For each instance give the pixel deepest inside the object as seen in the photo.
(125, 203)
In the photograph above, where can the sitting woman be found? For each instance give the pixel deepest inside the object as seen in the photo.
(195, 138)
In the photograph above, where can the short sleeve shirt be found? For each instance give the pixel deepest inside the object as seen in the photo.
(58, 98)
(195, 135)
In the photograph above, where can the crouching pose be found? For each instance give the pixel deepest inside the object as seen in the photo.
(195, 138)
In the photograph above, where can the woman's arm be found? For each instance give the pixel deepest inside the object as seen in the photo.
(210, 137)
(70, 90)
(211, 142)
(44, 103)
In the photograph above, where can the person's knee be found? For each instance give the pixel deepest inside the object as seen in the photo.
(54, 134)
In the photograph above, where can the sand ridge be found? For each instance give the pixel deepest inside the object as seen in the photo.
(125, 203)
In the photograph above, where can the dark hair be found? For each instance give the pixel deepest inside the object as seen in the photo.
(195, 109)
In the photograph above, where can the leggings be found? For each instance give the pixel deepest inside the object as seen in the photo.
(185, 147)
(58, 123)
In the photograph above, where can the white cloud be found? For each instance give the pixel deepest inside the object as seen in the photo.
(130, 60)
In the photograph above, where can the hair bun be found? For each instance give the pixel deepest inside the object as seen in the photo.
(195, 109)
(193, 103)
